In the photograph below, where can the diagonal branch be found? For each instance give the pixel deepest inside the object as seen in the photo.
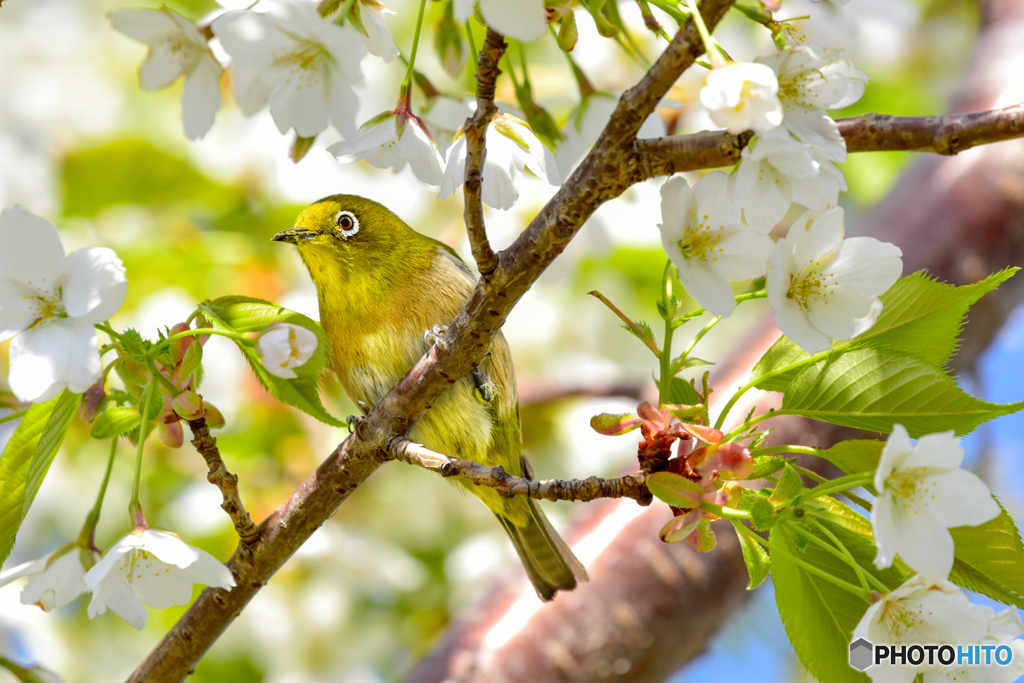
(487, 73)
(947, 135)
(509, 486)
(224, 480)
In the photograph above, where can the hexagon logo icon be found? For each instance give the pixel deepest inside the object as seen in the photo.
(861, 654)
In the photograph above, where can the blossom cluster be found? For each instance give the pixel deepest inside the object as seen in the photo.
(922, 492)
(145, 566)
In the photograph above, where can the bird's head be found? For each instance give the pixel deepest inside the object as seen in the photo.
(347, 229)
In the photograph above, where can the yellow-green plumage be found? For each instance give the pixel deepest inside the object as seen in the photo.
(381, 285)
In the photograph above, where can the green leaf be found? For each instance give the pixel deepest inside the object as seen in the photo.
(765, 465)
(923, 317)
(855, 455)
(762, 514)
(790, 485)
(245, 314)
(26, 459)
(192, 361)
(819, 616)
(873, 389)
(644, 327)
(757, 560)
(680, 392)
(920, 316)
(134, 172)
(986, 559)
(115, 422)
(675, 490)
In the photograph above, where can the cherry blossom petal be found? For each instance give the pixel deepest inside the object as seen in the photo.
(840, 315)
(868, 265)
(17, 307)
(703, 283)
(32, 252)
(39, 361)
(965, 499)
(378, 39)
(422, 154)
(59, 583)
(200, 98)
(524, 20)
(84, 365)
(94, 284)
(142, 25)
(124, 604)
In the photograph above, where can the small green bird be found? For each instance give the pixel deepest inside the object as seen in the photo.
(381, 287)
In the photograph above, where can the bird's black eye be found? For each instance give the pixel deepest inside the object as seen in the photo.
(348, 224)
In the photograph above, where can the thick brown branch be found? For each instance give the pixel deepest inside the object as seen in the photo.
(487, 73)
(224, 480)
(629, 486)
(946, 135)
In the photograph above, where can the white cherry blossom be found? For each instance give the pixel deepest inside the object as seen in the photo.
(302, 66)
(922, 492)
(920, 612)
(378, 39)
(158, 568)
(283, 346)
(702, 235)
(511, 146)
(176, 48)
(50, 303)
(57, 579)
(823, 287)
(777, 170)
(390, 139)
(524, 20)
(743, 96)
(811, 80)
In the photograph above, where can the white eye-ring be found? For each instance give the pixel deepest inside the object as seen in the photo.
(348, 224)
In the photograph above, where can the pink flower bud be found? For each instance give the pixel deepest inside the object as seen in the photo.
(613, 425)
(93, 397)
(179, 346)
(171, 433)
(680, 527)
(734, 461)
(729, 495)
(214, 418)
(189, 405)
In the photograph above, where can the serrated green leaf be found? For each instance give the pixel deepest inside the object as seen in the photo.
(873, 389)
(819, 616)
(115, 422)
(923, 317)
(790, 485)
(754, 556)
(986, 559)
(680, 392)
(765, 465)
(762, 514)
(26, 459)
(245, 314)
(920, 316)
(855, 455)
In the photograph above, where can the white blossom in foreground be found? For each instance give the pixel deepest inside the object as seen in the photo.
(159, 569)
(925, 612)
(302, 66)
(283, 346)
(59, 578)
(176, 48)
(702, 235)
(743, 96)
(524, 20)
(511, 146)
(777, 170)
(823, 287)
(50, 303)
(811, 80)
(390, 139)
(378, 39)
(922, 492)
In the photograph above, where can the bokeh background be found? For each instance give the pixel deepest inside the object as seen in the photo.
(83, 145)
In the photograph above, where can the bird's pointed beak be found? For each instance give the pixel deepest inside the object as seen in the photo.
(294, 235)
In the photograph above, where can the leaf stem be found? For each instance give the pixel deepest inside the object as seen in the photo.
(86, 538)
(666, 348)
(728, 513)
(13, 416)
(134, 507)
(776, 450)
(718, 59)
(648, 342)
(836, 486)
(407, 81)
(862, 574)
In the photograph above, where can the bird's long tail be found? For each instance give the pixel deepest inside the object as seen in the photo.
(549, 563)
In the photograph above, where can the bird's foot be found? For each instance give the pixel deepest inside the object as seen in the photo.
(365, 409)
(353, 422)
(435, 337)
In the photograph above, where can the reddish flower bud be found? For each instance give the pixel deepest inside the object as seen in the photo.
(680, 527)
(171, 433)
(188, 404)
(734, 461)
(179, 346)
(612, 425)
(214, 418)
(93, 397)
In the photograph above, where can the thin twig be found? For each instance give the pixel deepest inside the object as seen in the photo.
(224, 480)
(487, 73)
(947, 135)
(509, 486)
